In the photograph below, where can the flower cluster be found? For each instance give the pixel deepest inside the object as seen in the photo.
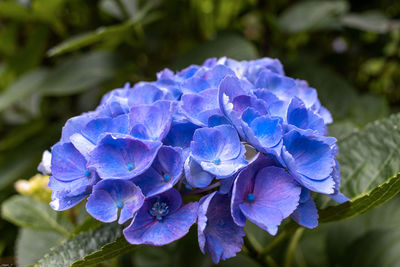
(248, 140)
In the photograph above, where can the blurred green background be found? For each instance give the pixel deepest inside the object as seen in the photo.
(58, 57)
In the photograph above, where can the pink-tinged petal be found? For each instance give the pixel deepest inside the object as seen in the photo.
(276, 195)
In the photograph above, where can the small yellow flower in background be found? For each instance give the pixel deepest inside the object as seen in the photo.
(36, 187)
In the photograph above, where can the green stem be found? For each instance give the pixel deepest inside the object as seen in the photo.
(289, 229)
(292, 247)
(252, 241)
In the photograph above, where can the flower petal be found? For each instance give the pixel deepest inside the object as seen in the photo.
(122, 156)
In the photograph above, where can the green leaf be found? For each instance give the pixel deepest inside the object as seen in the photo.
(13, 10)
(368, 158)
(363, 203)
(88, 224)
(22, 87)
(228, 45)
(370, 21)
(80, 73)
(101, 33)
(88, 248)
(27, 212)
(33, 244)
(312, 15)
(370, 169)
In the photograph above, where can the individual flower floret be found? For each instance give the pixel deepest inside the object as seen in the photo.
(198, 108)
(122, 156)
(310, 159)
(218, 150)
(111, 197)
(161, 220)
(218, 234)
(163, 174)
(71, 179)
(265, 194)
(151, 122)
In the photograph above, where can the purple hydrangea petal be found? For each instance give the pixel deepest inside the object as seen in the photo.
(67, 163)
(218, 150)
(165, 172)
(94, 130)
(276, 196)
(244, 184)
(61, 201)
(301, 117)
(198, 108)
(75, 125)
(110, 196)
(218, 234)
(65, 195)
(313, 158)
(207, 144)
(263, 132)
(226, 185)
(325, 186)
(195, 85)
(155, 119)
(82, 144)
(278, 84)
(122, 156)
(306, 213)
(145, 94)
(195, 175)
(181, 134)
(337, 195)
(102, 206)
(173, 222)
(254, 67)
(217, 120)
(226, 168)
(45, 164)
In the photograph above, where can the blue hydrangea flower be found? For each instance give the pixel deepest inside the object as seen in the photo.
(218, 234)
(111, 197)
(251, 137)
(265, 194)
(161, 220)
(163, 174)
(122, 156)
(218, 150)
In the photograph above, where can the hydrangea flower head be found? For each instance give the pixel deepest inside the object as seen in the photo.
(192, 132)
